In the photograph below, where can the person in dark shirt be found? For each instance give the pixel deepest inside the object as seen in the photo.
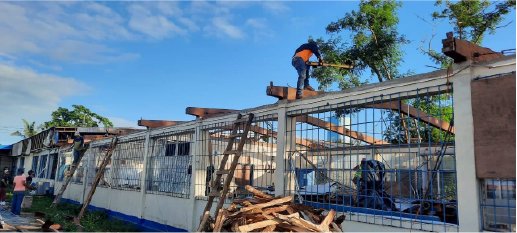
(300, 58)
(78, 146)
(4, 183)
(28, 180)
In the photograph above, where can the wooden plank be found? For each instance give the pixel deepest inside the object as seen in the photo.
(267, 204)
(324, 226)
(157, 123)
(414, 113)
(269, 228)
(204, 113)
(288, 93)
(220, 219)
(258, 225)
(339, 129)
(257, 192)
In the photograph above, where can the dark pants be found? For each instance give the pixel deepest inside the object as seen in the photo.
(303, 74)
(17, 202)
(2, 193)
(77, 157)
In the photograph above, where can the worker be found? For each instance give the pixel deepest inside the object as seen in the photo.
(300, 59)
(78, 147)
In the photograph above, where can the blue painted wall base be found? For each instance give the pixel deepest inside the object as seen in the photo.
(142, 224)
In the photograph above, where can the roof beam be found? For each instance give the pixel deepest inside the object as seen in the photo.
(462, 50)
(151, 124)
(203, 113)
(414, 113)
(288, 93)
(339, 129)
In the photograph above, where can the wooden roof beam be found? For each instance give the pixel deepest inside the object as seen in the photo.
(414, 113)
(339, 129)
(203, 113)
(288, 93)
(151, 124)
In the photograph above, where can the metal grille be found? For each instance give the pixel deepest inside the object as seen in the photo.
(169, 166)
(42, 168)
(256, 164)
(386, 160)
(498, 204)
(64, 161)
(128, 164)
(95, 157)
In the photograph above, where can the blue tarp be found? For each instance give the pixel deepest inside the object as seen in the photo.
(6, 147)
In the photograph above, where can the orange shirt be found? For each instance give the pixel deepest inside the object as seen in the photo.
(304, 54)
(19, 183)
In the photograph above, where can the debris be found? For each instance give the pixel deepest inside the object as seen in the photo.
(265, 213)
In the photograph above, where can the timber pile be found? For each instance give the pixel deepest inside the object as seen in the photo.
(267, 214)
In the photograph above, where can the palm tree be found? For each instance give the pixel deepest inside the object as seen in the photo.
(29, 130)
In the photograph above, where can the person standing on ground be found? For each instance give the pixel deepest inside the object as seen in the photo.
(4, 182)
(20, 185)
(28, 180)
(299, 61)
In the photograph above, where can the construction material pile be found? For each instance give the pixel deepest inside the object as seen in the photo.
(265, 213)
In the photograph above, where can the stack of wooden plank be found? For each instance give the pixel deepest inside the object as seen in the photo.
(264, 213)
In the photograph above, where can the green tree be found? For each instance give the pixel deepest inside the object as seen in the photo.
(29, 130)
(375, 45)
(79, 116)
(473, 18)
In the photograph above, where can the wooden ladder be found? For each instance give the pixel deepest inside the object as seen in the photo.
(216, 183)
(69, 177)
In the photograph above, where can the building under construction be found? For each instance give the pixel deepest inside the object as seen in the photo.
(429, 152)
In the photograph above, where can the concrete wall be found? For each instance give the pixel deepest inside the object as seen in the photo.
(184, 213)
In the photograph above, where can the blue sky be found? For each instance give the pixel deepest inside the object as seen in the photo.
(151, 60)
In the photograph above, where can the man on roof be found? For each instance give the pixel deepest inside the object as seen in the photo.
(300, 58)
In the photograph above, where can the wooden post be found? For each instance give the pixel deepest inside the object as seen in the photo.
(98, 178)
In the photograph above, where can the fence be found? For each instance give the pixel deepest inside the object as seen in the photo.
(256, 164)
(169, 166)
(387, 155)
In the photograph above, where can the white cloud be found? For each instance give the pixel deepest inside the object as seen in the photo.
(27, 94)
(146, 21)
(275, 7)
(221, 27)
(123, 122)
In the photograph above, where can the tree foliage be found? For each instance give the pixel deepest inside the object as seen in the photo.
(473, 18)
(374, 45)
(29, 130)
(79, 116)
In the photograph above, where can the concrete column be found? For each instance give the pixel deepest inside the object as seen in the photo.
(285, 144)
(143, 187)
(467, 183)
(196, 151)
(278, 176)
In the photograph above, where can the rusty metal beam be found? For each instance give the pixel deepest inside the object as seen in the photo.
(204, 113)
(339, 129)
(414, 113)
(157, 123)
(462, 50)
(288, 93)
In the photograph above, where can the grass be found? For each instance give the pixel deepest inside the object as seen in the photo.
(92, 221)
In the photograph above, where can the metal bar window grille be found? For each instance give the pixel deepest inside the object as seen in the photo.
(256, 164)
(128, 163)
(169, 169)
(95, 157)
(498, 204)
(385, 160)
(65, 159)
